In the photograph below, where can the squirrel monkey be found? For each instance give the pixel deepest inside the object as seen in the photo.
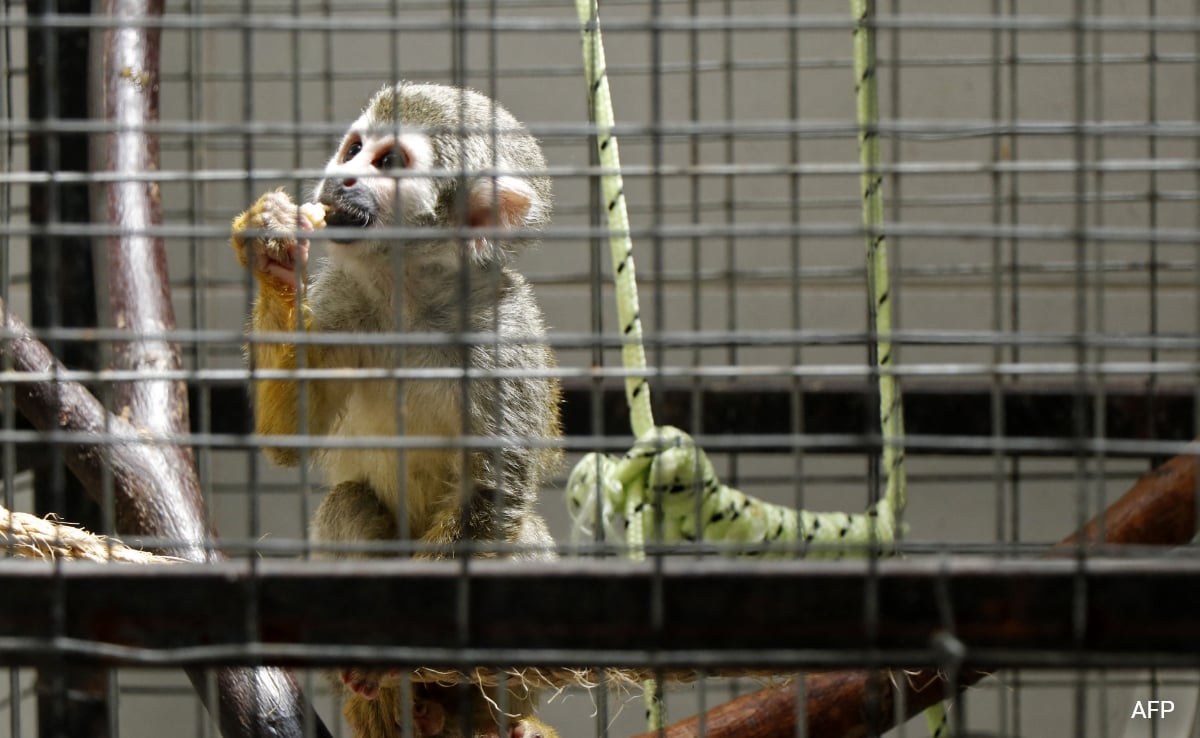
(427, 158)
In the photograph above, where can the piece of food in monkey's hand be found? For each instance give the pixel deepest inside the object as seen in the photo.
(313, 213)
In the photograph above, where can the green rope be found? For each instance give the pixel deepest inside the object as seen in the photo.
(637, 389)
(891, 409)
(660, 477)
(644, 486)
(633, 355)
(652, 489)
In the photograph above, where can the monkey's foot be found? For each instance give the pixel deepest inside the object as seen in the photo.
(437, 712)
(264, 238)
(366, 682)
(531, 728)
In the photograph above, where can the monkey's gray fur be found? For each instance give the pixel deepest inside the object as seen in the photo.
(419, 157)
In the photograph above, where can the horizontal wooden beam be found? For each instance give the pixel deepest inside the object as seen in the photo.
(959, 420)
(677, 613)
(945, 413)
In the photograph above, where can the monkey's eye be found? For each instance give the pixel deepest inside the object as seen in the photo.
(352, 150)
(393, 158)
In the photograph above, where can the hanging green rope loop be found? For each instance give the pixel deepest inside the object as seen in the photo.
(603, 489)
(650, 493)
(660, 478)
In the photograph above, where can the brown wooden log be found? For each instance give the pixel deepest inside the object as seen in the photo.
(138, 287)
(840, 703)
(1160, 509)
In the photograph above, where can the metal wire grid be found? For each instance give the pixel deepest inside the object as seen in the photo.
(1041, 190)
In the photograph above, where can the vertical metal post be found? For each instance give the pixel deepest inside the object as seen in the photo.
(71, 701)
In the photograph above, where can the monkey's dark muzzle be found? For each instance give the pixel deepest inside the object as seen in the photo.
(348, 207)
(348, 218)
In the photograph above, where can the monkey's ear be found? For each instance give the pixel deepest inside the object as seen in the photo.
(503, 202)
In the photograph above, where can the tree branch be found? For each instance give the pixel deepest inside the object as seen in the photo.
(1160, 509)
(100, 446)
(138, 287)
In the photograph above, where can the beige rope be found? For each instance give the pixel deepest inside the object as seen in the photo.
(31, 537)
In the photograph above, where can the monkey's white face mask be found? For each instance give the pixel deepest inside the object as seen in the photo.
(381, 189)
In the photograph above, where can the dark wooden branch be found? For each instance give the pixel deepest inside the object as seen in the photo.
(257, 702)
(103, 445)
(1160, 509)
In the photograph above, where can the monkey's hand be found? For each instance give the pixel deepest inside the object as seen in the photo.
(265, 239)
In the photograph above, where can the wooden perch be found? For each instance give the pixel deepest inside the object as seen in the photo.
(1160, 509)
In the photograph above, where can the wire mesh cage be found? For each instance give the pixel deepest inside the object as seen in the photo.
(896, 410)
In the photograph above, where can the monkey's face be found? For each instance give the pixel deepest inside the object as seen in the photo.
(373, 181)
(429, 156)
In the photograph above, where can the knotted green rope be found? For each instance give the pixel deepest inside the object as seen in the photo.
(662, 474)
(652, 489)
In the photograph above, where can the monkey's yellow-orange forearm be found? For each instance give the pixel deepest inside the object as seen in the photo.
(276, 401)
